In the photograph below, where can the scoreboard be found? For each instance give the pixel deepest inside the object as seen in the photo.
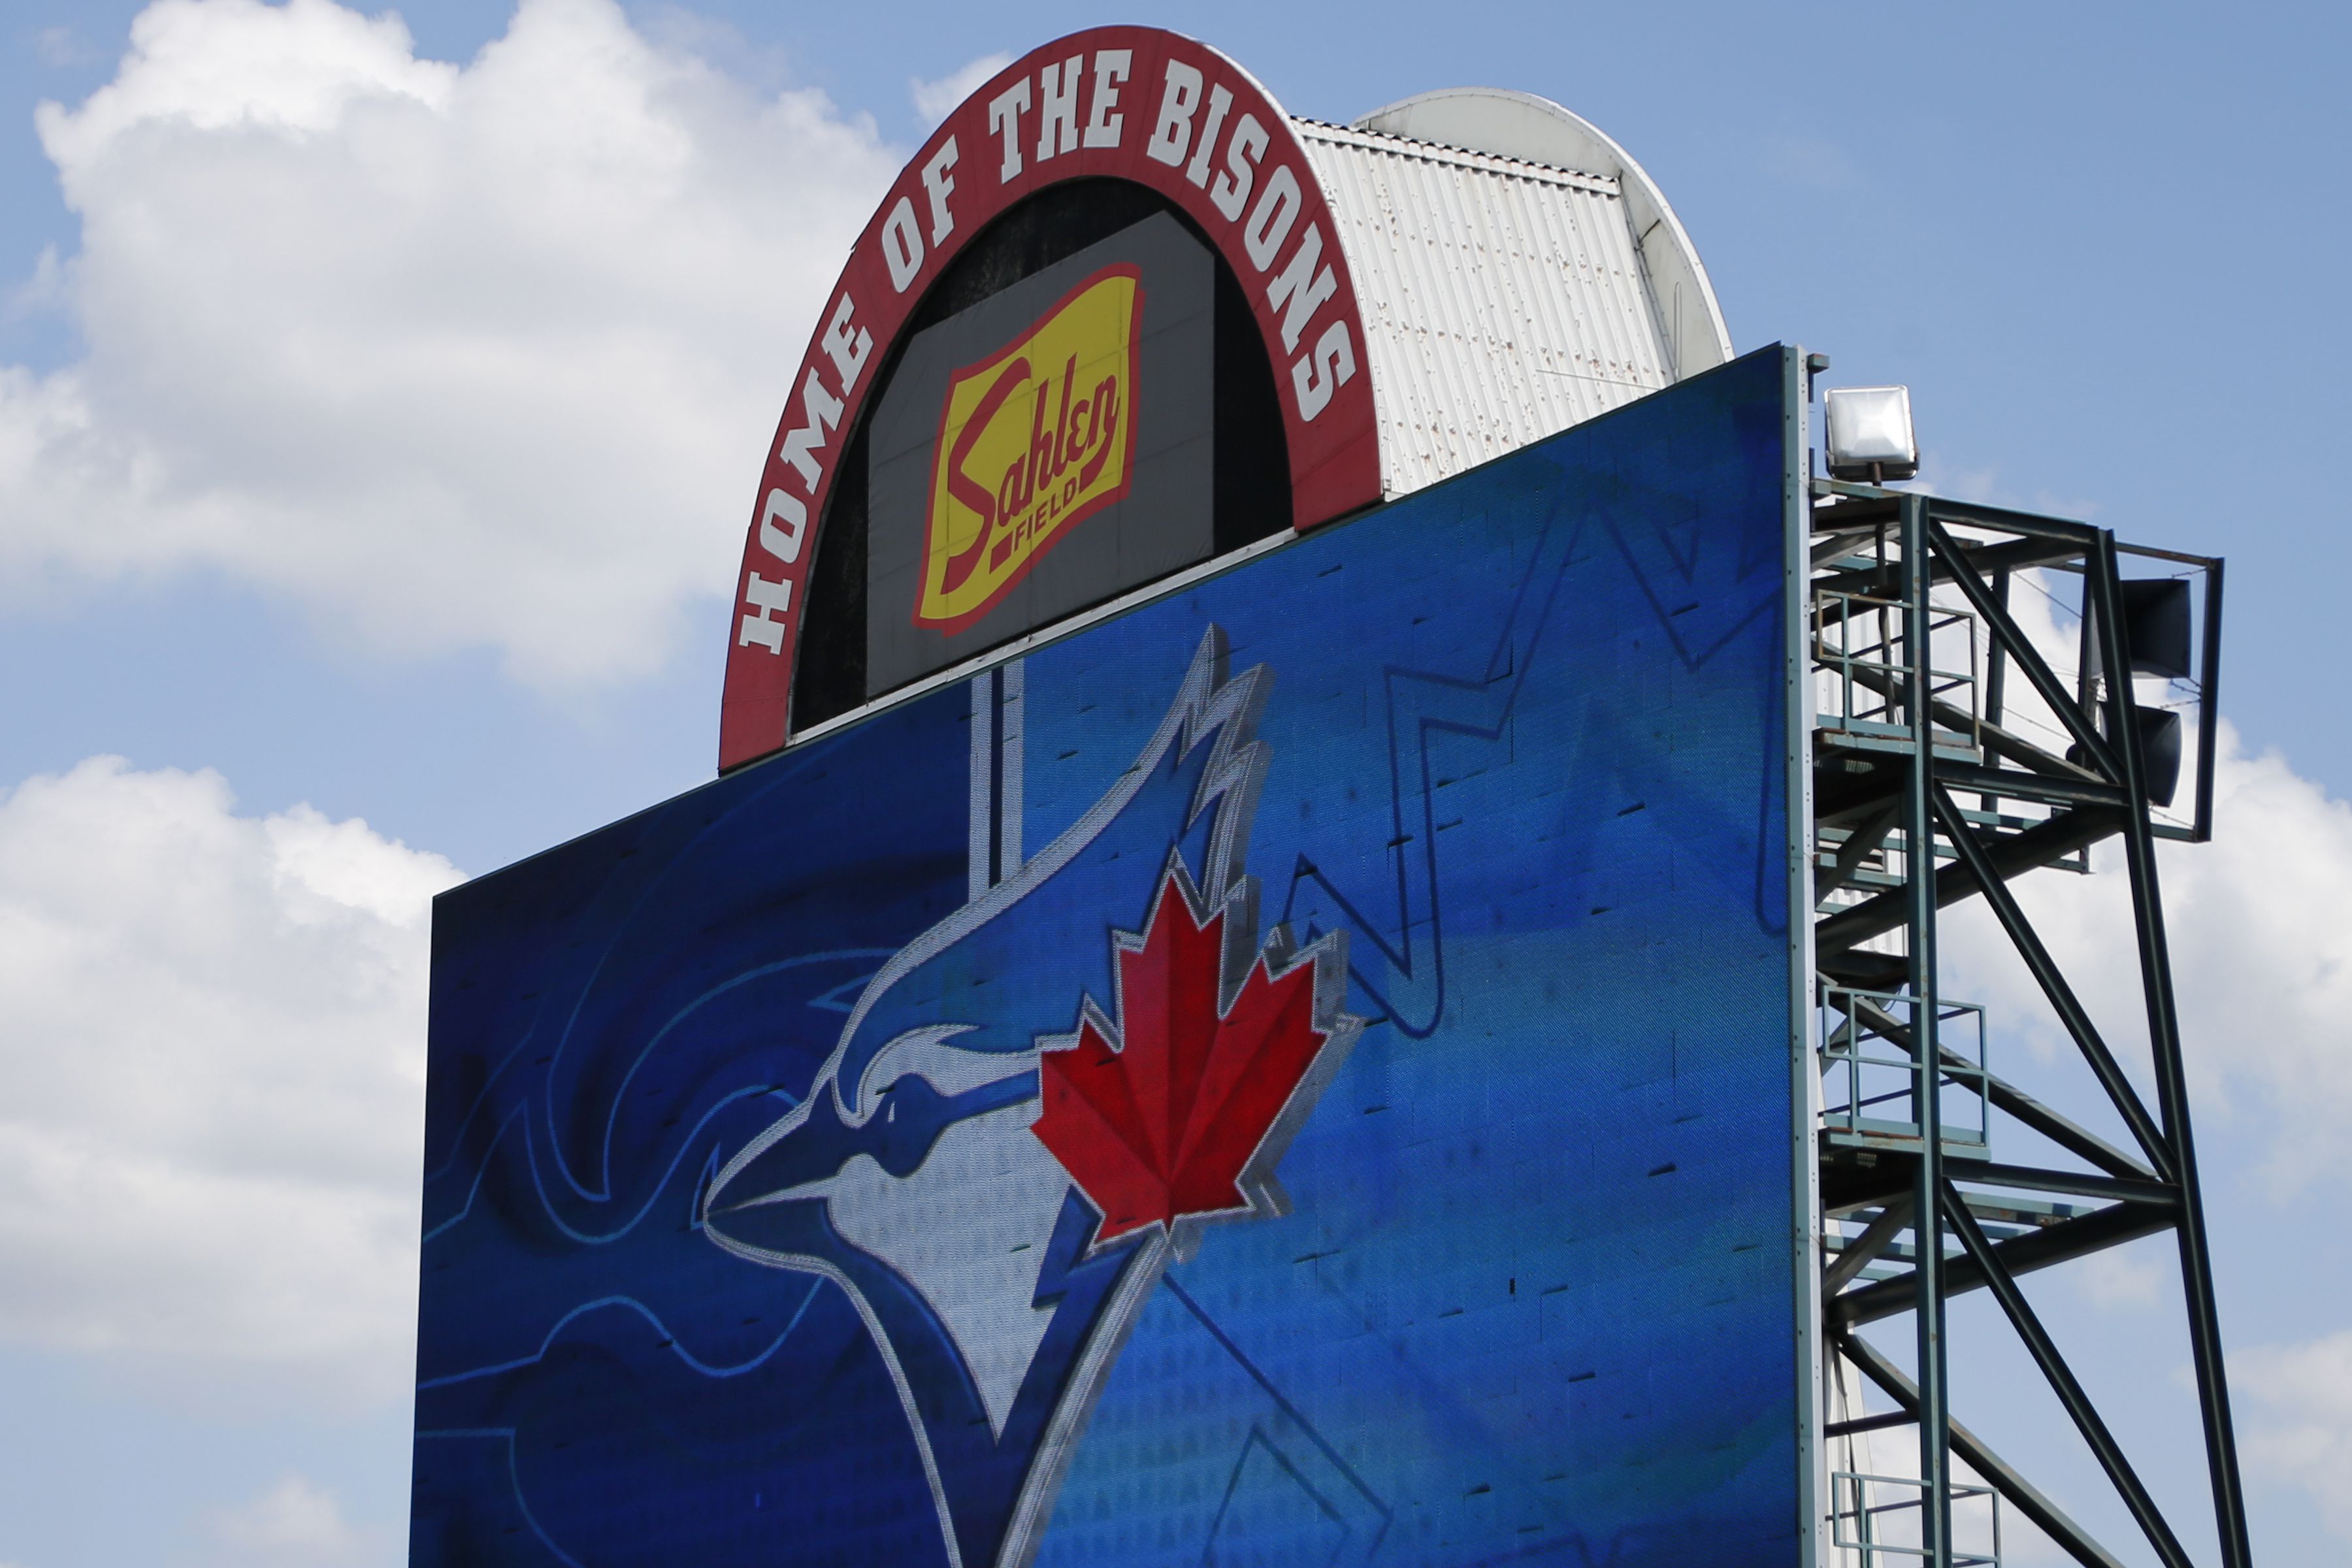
(1220, 1012)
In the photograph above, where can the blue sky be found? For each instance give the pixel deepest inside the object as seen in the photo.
(374, 433)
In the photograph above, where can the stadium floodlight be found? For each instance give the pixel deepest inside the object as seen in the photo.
(1870, 434)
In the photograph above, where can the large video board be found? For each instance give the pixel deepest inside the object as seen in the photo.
(1297, 1072)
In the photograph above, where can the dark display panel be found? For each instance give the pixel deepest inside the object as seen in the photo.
(1250, 462)
(1297, 1072)
(1042, 450)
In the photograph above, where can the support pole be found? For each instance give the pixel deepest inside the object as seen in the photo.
(2062, 997)
(1996, 677)
(1926, 1102)
(2171, 1081)
(2063, 1384)
(2022, 1494)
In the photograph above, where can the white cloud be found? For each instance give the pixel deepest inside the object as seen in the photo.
(2117, 1278)
(450, 355)
(935, 100)
(2259, 934)
(1941, 475)
(214, 1044)
(295, 1524)
(57, 47)
(2261, 940)
(2301, 1430)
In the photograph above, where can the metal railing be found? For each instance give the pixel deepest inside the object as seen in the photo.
(1872, 1522)
(1859, 650)
(1869, 1062)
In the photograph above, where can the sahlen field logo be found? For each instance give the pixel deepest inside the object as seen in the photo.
(1032, 441)
(996, 1165)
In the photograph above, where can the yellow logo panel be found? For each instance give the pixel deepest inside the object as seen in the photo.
(1033, 439)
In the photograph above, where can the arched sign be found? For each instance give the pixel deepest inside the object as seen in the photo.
(1135, 104)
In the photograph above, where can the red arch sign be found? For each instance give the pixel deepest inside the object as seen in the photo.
(1130, 103)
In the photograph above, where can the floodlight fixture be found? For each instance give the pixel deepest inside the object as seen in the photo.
(1870, 434)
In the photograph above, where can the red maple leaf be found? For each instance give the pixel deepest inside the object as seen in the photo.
(1166, 1123)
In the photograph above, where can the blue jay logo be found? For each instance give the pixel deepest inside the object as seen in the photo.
(914, 1174)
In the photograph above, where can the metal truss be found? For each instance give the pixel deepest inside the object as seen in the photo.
(1929, 788)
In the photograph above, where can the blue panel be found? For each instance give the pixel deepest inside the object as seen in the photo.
(1409, 1184)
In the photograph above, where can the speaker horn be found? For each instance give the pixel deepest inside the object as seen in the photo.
(2156, 625)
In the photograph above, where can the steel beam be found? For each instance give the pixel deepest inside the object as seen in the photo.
(1861, 1424)
(2022, 1494)
(2001, 742)
(2021, 650)
(2031, 1178)
(2021, 1254)
(2209, 703)
(2171, 1079)
(2063, 1384)
(1926, 1101)
(2061, 1129)
(2020, 852)
(1874, 1238)
(2048, 789)
(2018, 554)
(1977, 515)
(1858, 844)
(2062, 997)
(1854, 514)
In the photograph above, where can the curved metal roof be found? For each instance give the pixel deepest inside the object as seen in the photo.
(1517, 273)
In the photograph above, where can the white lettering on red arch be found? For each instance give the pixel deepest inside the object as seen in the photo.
(1130, 103)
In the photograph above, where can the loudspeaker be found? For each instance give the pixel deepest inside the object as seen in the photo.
(2156, 625)
(2159, 746)
(2159, 752)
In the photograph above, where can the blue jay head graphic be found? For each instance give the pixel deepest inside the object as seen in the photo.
(912, 1174)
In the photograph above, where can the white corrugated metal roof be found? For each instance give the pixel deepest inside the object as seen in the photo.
(1503, 299)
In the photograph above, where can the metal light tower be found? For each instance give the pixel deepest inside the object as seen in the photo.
(1913, 648)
